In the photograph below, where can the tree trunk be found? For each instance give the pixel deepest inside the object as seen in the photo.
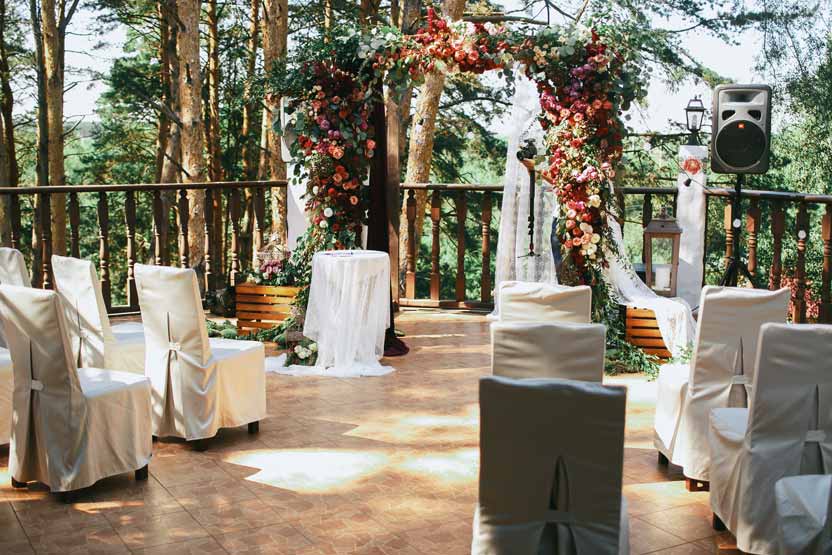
(171, 166)
(42, 158)
(213, 132)
(423, 127)
(9, 172)
(275, 35)
(53, 50)
(190, 89)
(163, 121)
(249, 151)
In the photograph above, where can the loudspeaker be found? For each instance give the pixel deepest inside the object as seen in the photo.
(741, 129)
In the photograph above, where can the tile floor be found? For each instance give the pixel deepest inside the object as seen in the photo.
(373, 466)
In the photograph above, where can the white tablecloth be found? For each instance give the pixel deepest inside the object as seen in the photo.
(348, 312)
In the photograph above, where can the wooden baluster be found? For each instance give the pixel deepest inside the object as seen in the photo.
(799, 301)
(104, 247)
(646, 217)
(727, 222)
(234, 275)
(130, 222)
(412, 242)
(485, 287)
(752, 224)
(15, 215)
(435, 216)
(461, 214)
(826, 280)
(74, 225)
(46, 239)
(209, 239)
(183, 208)
(158, 221)
(259, 211)
(778, 230)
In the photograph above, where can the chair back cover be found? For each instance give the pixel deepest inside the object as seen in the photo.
(77, 283)
(12, 272)
(48, 440)
(551, 454)
(548, 350)
(722, 367)
(790, 417)
(178, 357)
(523, 301)
(804, 514)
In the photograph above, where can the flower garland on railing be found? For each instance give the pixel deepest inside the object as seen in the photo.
(584, 84)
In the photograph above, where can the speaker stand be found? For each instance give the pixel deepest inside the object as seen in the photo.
(736, 266)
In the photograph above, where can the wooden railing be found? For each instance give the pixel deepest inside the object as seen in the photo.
(781, 207)
(457, 193)
(214, 275)
(788, 220)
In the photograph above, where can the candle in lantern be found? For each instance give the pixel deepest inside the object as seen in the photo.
(662, 276)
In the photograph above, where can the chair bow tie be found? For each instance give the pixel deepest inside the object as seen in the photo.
(174, 346)
(815, 436)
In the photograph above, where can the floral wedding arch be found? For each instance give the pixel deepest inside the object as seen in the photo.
(586, 78)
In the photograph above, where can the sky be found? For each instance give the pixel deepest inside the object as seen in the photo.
(663, 105)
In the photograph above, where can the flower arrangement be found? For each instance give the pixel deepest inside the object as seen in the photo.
(303, 353)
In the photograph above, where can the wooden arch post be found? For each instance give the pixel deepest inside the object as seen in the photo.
(383, 224)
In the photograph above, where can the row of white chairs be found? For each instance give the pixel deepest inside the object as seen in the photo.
(87, 397)
(759, 460)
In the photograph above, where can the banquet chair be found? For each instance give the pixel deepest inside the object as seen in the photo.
(804, 514)
(95, 343)
(548, 350)
(12, 272)
(786, 431)
(551, 455)
(73, 426)
(719, 374)
(199, 386)
(522, 301)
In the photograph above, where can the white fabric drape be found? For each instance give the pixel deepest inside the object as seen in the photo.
(198, 385)
(296, 218)
(73, 426)
(546, 487)
(803, 514)
(348, 313)
(12, 272)
(672, 315)
(786, 431)
(548, 350)
(6, 390)
(513, 262)
(690, 215)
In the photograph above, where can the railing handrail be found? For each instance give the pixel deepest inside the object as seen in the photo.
(494, 187)
(120, 187)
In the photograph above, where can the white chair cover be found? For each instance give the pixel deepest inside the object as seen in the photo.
(787, 431)
(198, 387)
(94, 343)
(726, 344)
(73, 426)
(6, 390)
(550, 480)
(12, 272)
(524, 301)
(803, 514)
(550, 350)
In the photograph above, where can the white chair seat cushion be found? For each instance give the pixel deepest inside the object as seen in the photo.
(802, 513)
(672, 388)
(127, 353)
(118, 425)
(6, 392)
(241, 374)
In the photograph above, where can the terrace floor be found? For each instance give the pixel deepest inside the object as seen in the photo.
(372, 466)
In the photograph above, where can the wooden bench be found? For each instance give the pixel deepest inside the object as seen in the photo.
(642, 330)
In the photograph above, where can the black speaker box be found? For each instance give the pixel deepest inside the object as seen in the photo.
(741, 129)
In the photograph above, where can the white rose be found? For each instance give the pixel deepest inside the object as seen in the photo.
(591, 249)
(328, 212)
(315, 190)
(596, 238)
(298, 349)
(313, 347)
(595, 201)
(324, 224)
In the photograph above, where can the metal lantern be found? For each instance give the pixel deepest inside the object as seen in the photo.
(695, 115)
(662, 237)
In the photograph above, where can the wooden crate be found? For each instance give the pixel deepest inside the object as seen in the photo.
(262, 306)
(643, 331)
